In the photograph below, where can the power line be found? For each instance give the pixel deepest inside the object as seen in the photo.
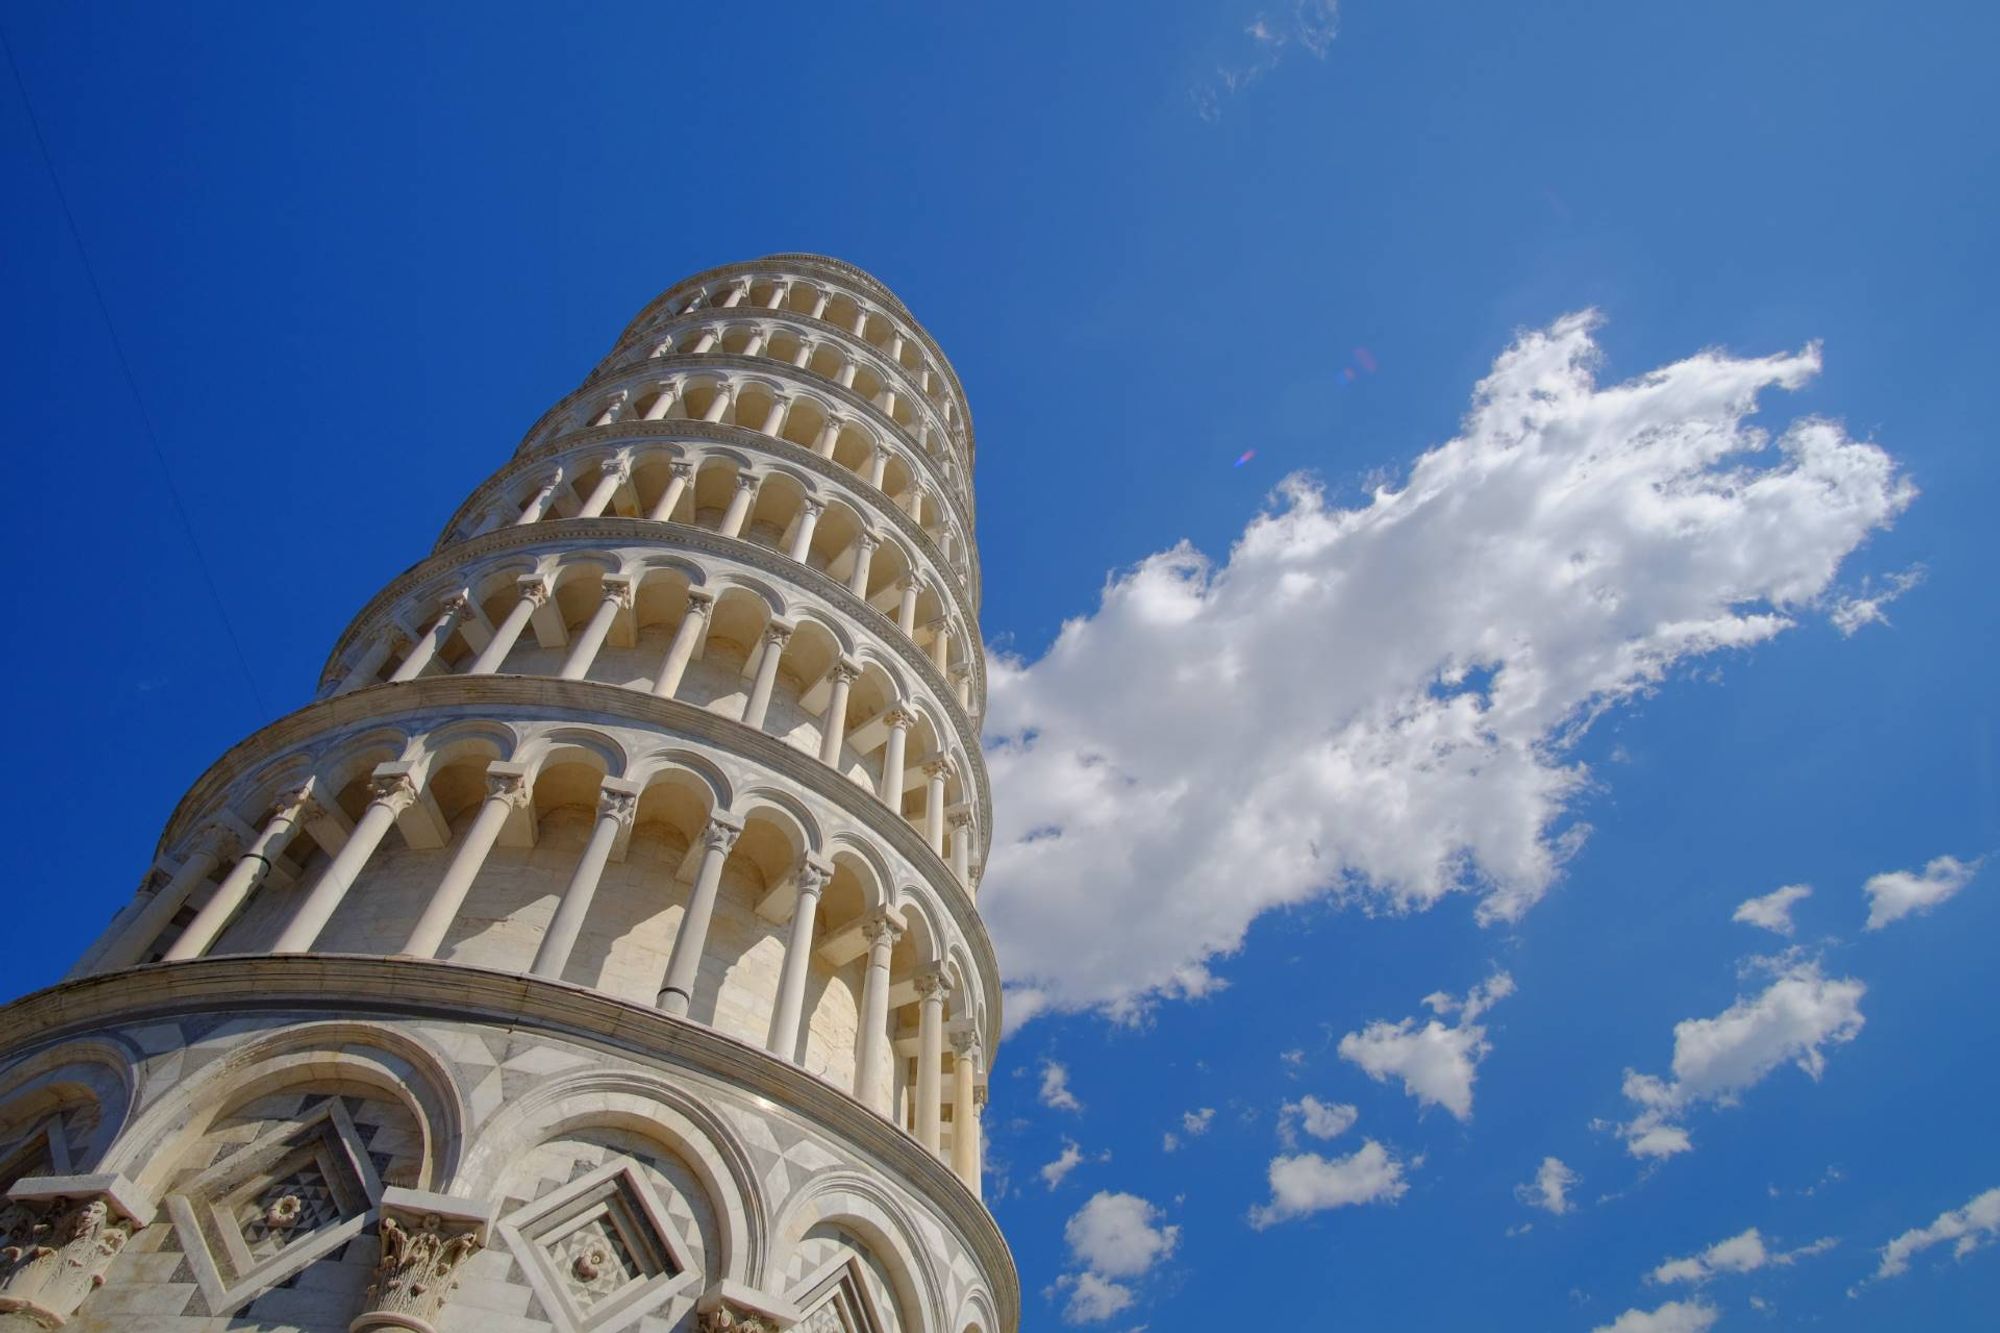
(132, 383)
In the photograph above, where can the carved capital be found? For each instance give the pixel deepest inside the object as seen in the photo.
(700, 603)
(965, 1042)
(811, 878)
(931, 984)
(614, 803)
(979, 1095)
(395, 790)
(777, 634)
(746, 481)
(867, 540)
(900, 718)
(941, 768)
(846, 672)
(685, 471)
(508, 785)
(455, 605)
(421, 1254)
(618, 591)
(727, 1319)
(815, 507)
(720, 834)
(54, 1251)
(881, 926)
(534, 589)
(960, 818)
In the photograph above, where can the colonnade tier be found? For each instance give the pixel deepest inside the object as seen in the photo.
(732, 882)
(776, 396)
(688, 473)
(677, 612)
(802, 279)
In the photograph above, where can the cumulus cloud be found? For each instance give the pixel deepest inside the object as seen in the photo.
(1850, 613)
(1114, 1236)
(1069, 1159)
(1193, 1123)
(1549, 1190)
(1436, 1063)
(1969, 1228)
(1322, 1120)
(1896, 894)
(1742, 1253)
(1773, 911)
(1673, 1317)
(1055, 1087)
(1308, 25)
(1390, 692)
(1304, 1183)
(1793, 1020)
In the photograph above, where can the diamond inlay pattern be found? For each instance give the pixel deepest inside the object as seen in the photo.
(296, 1205)
(594, 1261)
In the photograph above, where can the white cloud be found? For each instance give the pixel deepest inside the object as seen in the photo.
(1303, 1183)
(1310, 26)
(1436, 1063)
(1093, 1299)
(1118, 1235)
(1055, 1087)
(1742, 1253)
(1896, 894)
(1773, 911)
(1322, 1120)
(1673, 1317)
(1197, 1122)
(1852, 612)
(1969, 1228)
(1549, 1190)
(1067, 1161)
(1716, 1059)
(1571, 548)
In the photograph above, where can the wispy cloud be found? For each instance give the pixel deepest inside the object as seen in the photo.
(1055, 1087)
(1745, 1252)
(1267, 41)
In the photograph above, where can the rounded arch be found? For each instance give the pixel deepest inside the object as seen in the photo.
(575, 744)
(861, 1206)
(855, 853)
(927, 936)
(648, 1105)
(88, 1072)
(343, 1053)
(465, 738)
(976, 1313)
(788, 812)
(708, 774)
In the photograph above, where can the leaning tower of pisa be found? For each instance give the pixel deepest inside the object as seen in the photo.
(599, 949)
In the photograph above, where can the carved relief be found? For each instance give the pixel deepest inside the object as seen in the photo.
(56, 1254)
(418, 1269)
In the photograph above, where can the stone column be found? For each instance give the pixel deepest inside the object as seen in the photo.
(892, 758)
(878, 466)
(756, 343)
(809, 880)
(820, 304)
(613, 409)
(737, 295)
(911, 587)
(243, 878)
(961, 846)
(677, 988)
(617, 597)
(803, 357)
(664, 403)
(678, 477)
(774, 420)
(802, 537)
(776, 635)
(779, 291)
(534, 593)
(717, 410)
(614, 475)
(869, 1086)
(704, 343)
(425, 1238)
(834, 734)
(848, 369)
(739, 505)
(538, 504)
(506, 792)
(861, 322)
(864, 555)
(434, 638)
(204, 853)
(688, 636)
(931, 990)
(370, 662)
(58, 1236)
(389, 795)
(936, 772)
(829, 436)
(617, 800)
(940, 645)
(965, 1097)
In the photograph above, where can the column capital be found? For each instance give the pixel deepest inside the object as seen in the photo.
(961, 817)
(814, 507)
(879, 925)
(619, 589)
(534, 588)
(60, 1235)
(620, 465)
(932, 984)
(424, 1240)
(900, 718)
(456, 604)
(682, 469)
(617, 800)
(748, 481)
(868, 537)
(721, 832)
(847, 670)
(812, 876)
(979, 1095)
(778, 633)
(700, 602)
(943, 766)
(509, 781)
(215, 839)
(393, 785)
(965, 1041)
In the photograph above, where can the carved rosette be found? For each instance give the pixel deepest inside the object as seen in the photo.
(418, 1268)
(55, 1254)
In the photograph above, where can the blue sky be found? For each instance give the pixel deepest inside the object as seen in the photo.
(350, 255)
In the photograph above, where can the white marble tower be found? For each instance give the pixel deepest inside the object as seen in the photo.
(599, 951)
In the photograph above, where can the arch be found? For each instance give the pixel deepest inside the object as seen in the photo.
(648, 1105)
(788, 812)
(390, 1062)
(976, 1313)
(927, 938)
(847, 1199)
(563, 744)
(855, 853)
(709, 775)
(87, 1071)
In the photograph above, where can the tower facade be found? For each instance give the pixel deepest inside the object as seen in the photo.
(599, 950)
